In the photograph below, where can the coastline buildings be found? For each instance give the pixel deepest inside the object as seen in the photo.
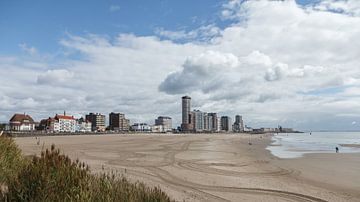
(118, 122)
(83, 125)
(22, 122)
(165, 122)
(66, 123)
(186, 124)
(213, 122)
(225, 123)
(97, 121)
(238, 124)
(199, 120)
(140, 127)
(59, 123)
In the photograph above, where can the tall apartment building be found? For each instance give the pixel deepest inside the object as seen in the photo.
(213, 122)
(165, 121)
(209, 123)
(118, 122)
(238, 124)
(199, 120)
(226, 123)
(186, 115)
(97, 121)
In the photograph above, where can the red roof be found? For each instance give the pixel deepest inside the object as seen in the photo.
(21, 118)
(64, 117)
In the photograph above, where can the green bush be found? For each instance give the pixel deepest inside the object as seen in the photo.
(11, 161)
(54, 177)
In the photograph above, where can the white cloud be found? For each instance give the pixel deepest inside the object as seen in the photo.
(55, 77)
(350, 7)
(30, 50)
(203, 33)
(277, 63)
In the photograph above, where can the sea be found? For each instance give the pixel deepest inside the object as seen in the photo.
(295, 145)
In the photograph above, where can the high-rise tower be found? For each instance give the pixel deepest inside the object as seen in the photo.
(186, 116)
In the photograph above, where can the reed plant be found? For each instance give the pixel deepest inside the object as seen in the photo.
(55, 177)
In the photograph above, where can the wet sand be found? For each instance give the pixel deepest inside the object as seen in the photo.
(213, 167)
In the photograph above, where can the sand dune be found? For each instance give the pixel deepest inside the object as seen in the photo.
(210, 167)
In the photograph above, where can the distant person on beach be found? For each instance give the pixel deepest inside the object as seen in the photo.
(337, 149)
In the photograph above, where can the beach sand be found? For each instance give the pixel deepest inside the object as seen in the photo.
(213, 167)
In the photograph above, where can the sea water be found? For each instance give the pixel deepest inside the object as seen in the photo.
(294, 145)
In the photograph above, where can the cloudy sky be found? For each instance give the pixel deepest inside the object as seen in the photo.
(293, 63)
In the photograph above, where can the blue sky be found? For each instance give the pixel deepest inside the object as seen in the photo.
(43, 23)
(291, 63)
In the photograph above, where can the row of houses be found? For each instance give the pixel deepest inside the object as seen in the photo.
(91, 122)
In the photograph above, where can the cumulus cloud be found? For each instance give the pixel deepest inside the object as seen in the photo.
(350, 7)
(55, 77)
(199, 72)
(275, 62)
(203, 33)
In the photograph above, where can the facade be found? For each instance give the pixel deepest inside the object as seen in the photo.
(141, 127)
(226, 123)
(210, 122)
(157, 129)
(238, 124)
(83, 125)
(186, 116)
(65, 123)
(118, 122)
(22, 122)
(199, 120)
(97, 121)
(206, 121)
(164, 121)
(213, 122)
(49, 125)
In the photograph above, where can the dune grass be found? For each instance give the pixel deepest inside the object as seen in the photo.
(55, 177)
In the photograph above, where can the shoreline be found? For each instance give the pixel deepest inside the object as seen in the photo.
(207, 167)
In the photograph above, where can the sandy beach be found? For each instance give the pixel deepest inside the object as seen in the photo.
(213, 167)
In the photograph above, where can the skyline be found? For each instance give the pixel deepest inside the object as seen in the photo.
(292, 63)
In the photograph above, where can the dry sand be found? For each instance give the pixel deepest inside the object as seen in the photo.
(210, 167)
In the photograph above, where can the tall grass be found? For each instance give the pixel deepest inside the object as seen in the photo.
(55, 177)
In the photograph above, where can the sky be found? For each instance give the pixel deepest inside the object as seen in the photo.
(290, 63)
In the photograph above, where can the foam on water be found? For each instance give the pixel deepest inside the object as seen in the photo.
(294, 145)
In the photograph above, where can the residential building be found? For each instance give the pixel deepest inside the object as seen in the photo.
(238, 124)
(141, 127)
(199, 120)
(248, 129)
(206, 121)
(213, 122)
(65, 123)
(226, 123)
(157, 129)
(83, 125)
(166, 122)
(49, 125)
(22, 122)
(97, 121)
(186, 116)
(118, 122)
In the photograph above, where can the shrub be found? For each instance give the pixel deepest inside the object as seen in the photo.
(55, 177)
(11, 161)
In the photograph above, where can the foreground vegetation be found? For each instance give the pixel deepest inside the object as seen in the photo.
(55, 177)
